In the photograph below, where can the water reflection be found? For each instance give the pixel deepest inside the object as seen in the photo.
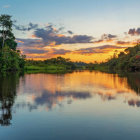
(48, 99)
(8, 87)
(133, 81)
(47, 91)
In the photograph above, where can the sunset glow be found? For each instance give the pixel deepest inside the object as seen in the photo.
(81, 33)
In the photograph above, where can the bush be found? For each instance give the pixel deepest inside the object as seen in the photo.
(10, 60)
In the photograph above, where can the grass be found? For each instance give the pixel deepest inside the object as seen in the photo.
(46, 69)
(101, 68)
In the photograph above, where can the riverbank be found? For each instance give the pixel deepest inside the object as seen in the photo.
(127, 61)
(53, 65)
(52, 69)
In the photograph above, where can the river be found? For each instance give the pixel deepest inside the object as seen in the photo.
(74, 106)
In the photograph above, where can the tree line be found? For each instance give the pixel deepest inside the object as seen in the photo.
(10, 58)
(129, 60)
(65, 63)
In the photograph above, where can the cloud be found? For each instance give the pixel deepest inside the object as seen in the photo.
(29, 42)
(105, 38)
(134, 31)
(126, 43)
(35, 46)
(30, 26)
(123, 42)
(109, 47)
(46, 38)
(70, 32)
(51, 35)
(108, 36)
(46, 52)
(100, 49)
(34, 51)
(60, 51)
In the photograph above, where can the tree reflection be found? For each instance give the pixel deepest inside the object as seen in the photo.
(133, 81)
(8, 86)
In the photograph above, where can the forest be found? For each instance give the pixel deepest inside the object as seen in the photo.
(129, 60)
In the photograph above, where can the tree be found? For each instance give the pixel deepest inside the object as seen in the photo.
(10, 58)
(6, 34)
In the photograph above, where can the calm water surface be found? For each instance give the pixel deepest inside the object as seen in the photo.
(75, 106)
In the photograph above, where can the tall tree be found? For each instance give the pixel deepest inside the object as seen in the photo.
(6, 34)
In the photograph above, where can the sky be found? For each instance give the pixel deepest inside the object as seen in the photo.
(82, 30)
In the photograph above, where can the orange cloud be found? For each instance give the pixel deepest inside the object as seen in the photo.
(126, 43)
(19, 41)
(50, 42)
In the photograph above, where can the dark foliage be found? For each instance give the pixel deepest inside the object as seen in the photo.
(129, 60)
(10, 58)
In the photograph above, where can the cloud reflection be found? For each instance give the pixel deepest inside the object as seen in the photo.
(49, 99)
(51, 91)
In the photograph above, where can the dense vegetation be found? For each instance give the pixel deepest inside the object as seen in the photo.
(129, 60)
(54, 65)
(10, 58)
